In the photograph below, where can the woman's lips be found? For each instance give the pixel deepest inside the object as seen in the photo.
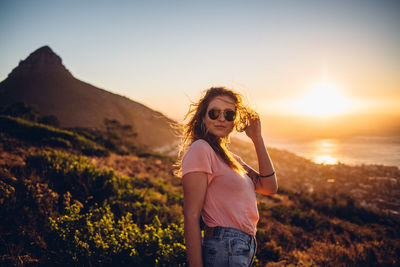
(220, 127)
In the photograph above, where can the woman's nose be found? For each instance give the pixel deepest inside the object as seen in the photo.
(221, 116)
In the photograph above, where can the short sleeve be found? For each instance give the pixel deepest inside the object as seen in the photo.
(198, 158)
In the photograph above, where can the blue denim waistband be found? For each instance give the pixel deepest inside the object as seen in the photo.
(222, 231)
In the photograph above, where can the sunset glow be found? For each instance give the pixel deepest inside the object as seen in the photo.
(324, 99)
(305, 71)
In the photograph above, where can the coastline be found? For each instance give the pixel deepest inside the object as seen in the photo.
(352, 151)
(372, 186)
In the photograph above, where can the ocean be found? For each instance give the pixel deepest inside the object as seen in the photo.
(355, 150)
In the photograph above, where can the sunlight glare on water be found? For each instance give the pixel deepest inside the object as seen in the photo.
(354, 150)
(325, 151)
(325, 159)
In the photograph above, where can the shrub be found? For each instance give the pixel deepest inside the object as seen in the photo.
(307, 221)
(269, 251)
(20, 109)
(116, 137)
(76, 174)
(98, 238)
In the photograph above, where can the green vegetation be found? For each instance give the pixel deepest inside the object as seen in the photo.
(97, 238)
(23, 111)
(116, 137)
(307, 237)
(25, 123)
(74, 174)
(61, 205)
(37, 134)
(114, 219)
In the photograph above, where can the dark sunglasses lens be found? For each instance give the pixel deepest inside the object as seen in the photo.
(213, 114)
(230, 115)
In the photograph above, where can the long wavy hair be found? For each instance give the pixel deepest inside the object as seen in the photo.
(195, 129)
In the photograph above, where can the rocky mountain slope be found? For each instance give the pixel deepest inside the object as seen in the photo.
(41, 80)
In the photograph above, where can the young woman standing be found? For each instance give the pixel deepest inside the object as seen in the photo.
(218, 185)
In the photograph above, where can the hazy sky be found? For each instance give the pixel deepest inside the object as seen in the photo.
(163, 53)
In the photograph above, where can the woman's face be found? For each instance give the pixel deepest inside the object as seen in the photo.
(220, 126)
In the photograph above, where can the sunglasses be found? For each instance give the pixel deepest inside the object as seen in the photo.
(229, 114)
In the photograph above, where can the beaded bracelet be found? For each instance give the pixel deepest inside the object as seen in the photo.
(266, 176)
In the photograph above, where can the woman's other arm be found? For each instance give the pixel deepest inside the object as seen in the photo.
(194, 190)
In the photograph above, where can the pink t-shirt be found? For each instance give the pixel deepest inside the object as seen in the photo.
(230, 199)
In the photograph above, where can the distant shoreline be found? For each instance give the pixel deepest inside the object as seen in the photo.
(352, 151)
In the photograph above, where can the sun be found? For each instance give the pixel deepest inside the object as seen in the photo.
(324, 99)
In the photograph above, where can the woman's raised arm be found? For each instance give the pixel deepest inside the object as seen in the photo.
(267, 185)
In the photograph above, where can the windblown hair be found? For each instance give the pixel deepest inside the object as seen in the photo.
(195, 129)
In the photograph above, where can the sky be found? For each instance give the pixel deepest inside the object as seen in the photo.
(321, 59)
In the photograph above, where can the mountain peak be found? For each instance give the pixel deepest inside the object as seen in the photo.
(41, 61)
(44, 50)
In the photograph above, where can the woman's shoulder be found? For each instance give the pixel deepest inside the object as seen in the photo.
(199, 146)
(198, 151)
(200, 143)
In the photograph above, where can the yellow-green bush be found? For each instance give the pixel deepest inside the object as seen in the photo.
(120, 221)
(98, 238)
(76, 174)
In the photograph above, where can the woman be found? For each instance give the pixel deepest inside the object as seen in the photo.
(218, 185)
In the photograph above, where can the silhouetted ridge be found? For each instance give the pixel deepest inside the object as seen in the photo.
(42, 81)
(42, 61)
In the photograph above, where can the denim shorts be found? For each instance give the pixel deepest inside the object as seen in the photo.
(228, 246)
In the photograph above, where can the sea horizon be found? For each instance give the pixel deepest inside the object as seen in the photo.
(355, 150)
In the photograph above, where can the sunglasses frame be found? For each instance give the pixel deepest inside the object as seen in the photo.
(211, 111)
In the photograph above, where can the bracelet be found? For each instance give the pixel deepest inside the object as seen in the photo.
(266, 176)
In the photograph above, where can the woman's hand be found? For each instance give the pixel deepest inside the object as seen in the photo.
(253, 130)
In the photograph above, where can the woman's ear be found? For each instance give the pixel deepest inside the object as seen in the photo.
(203, 119)
(203, 126)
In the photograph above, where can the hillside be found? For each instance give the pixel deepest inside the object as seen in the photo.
(374, 187)
(42, 81)
(73, 201)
